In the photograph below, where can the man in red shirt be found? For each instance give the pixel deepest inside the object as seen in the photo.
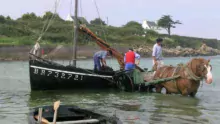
(129, 59)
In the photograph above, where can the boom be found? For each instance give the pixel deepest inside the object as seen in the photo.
(105, 46)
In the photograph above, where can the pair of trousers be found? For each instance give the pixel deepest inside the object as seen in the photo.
(97, 64)
(159, 62)
(129, 66)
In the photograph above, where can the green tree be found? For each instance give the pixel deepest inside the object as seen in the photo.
(134, 28)
(29, 16)
(82, 20)
(8, 18)
(49, 15)
(2, 19)
(152, 33)
(97, 21)
(133, 24)
(167, 23)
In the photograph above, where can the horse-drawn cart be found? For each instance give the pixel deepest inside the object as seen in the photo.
(181, 79)
(140, 81)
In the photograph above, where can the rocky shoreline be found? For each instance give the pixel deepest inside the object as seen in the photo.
(204, 50)
(21, 53)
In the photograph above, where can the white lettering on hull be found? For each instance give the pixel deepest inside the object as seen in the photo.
(64, 74)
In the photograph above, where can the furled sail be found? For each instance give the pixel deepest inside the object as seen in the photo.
(36, 49)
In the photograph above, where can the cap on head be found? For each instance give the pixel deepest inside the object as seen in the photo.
(159, 40)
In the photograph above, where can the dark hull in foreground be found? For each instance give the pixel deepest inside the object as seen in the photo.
(47, 75)
(71, 114)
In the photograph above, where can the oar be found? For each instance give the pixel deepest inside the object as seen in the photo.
(40, 115)
(55, 107)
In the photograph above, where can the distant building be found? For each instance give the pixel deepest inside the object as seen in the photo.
(71, 18)
(149, 25)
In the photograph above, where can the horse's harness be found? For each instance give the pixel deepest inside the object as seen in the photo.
(189, 73)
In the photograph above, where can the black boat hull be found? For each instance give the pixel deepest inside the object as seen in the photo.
(67, 113)
(46, 75)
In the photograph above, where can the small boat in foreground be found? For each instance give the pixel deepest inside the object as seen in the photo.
(69, 114)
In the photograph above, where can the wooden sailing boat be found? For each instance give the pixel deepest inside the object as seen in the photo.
(48, 75)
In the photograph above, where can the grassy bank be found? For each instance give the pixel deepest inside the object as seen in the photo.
(27, 41)
(27, 29)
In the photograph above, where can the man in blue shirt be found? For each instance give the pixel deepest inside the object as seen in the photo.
(100, 56)
(157, 54)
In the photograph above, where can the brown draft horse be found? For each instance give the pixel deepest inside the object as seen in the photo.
(190, 76)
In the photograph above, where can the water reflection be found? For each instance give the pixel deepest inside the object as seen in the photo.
(130, 107)
(16, 98)
(175, 109)
(13, 106)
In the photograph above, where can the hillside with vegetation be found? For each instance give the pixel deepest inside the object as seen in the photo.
(24, 31)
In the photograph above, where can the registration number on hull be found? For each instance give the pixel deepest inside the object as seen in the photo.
(57, 74)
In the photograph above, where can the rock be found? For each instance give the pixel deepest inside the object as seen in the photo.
(146, 51)
(178, 48)
(139, 49)
(203, 47)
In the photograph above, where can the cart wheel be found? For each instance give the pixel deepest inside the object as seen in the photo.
(124, 83)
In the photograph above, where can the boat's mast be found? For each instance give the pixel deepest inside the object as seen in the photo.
(75, 33)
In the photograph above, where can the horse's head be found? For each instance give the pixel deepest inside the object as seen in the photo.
(201, 68)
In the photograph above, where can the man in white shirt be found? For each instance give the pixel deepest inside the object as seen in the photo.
(157, 54)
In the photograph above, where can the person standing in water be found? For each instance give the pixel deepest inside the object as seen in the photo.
(157, 54)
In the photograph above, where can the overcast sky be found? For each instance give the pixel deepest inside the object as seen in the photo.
(200, 18)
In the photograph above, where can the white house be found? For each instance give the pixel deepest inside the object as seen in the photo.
(69, 18)
(149, 25)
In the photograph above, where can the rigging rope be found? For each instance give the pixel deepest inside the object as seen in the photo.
(57, 3)
(71, 4)
(70, 13)
(80, 2)
(97, 9)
